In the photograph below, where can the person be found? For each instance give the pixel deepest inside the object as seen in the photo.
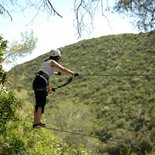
(41, 84)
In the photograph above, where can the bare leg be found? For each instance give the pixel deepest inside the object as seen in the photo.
(37, 115)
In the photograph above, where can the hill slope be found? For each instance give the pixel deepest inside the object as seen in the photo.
(19, 138)
(113, 98)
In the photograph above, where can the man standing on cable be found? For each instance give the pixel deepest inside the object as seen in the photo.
(41, 84)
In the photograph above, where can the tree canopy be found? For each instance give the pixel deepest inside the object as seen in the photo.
(143, 11)
(20, 48)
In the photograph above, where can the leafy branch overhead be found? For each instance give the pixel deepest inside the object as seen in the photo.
(22, 48)
(142, 11)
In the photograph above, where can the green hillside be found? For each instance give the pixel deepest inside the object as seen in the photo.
(19, 138)
(113, 99)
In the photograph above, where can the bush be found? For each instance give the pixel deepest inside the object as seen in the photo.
(19, 138)
(8, 105)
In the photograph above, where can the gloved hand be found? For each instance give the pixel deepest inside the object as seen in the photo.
(57, 73)
(76, 74)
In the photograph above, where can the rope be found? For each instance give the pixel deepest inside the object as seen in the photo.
(66, 83)
(119, 75)
(85, 135)
(71, 132)
(91, 136)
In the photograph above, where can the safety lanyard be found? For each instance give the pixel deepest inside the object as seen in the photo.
(66, 83)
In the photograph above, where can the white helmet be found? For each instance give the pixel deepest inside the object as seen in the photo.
(55, 52)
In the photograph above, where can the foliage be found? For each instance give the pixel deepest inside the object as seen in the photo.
(3, 45)
(74, 117)
(20, 48)
(7, 109)
(142, 11)
(114, 95)
(17, 137)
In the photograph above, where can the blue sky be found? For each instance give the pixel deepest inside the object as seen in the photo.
(56, 32)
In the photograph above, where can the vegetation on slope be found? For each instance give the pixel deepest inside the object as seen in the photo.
(17, 137)
(113, 99)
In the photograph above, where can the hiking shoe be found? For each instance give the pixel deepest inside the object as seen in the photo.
(36, 125)
(42, 124)
(39, 125)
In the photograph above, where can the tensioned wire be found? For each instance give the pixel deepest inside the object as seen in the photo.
(119, 75)
(93, 75)
(90, 136)
(102, 75)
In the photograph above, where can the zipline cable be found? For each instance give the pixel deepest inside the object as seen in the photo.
(91, 136)
(119, 75)
(86, 135)
(71, 132)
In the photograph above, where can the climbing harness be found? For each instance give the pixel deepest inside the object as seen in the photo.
(49, 89)
(43, 75)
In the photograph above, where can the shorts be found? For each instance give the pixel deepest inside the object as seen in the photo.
(40, 90)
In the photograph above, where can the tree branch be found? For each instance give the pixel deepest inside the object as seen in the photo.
(55, 12)
(6, 12)
(84, 14)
